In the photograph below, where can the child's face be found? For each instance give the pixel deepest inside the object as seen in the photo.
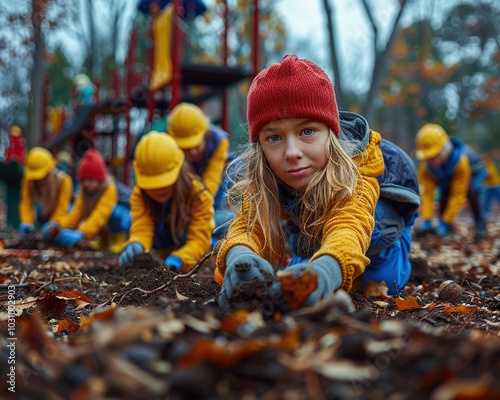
(161, 195)
(439, 160)
(295, 149)
(90, 185)
(195, 153)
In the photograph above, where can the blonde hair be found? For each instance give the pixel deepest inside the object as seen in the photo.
(46, 191)
(257, 188)
(182, 203)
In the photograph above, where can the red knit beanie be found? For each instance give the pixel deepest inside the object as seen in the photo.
(293, 88)
(92, 166)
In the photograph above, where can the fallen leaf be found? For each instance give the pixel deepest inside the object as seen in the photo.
(68, 326)
(381, 303)
(179, 296)
(458, 309)
(379, 290)
(410, 303)
(296, 288)
(73, 295)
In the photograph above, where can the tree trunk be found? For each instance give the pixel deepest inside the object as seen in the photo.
(36, 120)
(380, 61)
(333, 54)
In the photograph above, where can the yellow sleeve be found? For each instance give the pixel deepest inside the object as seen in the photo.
(347, 234)
(63, 199)
(71, 220)
(142, 228)
(427, 184)
(26, 210)
(238, 234)
(100, 215)
(212, 176)
(459, 186)
(201, 226)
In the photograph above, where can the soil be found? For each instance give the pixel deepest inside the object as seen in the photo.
(87, 329)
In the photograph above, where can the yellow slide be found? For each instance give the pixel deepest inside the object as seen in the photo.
(162, 33)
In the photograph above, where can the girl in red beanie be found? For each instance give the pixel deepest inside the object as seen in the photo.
(316, 170)
(100, 206)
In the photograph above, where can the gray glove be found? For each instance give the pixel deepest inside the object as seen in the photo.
(242, 265)
(329, 277)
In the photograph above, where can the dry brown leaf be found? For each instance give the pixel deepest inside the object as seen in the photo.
(296, 288)
(410, 303)
(458, 309)
(73, 295)
(68, 326)
(378, 290)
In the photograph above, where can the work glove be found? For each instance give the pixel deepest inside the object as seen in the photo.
(129, 253)
(174, 263)
(69, 237)
(425, 227)
(329, 277)
(49, 230)
(24, 229)
(443, 229)
(242, 265)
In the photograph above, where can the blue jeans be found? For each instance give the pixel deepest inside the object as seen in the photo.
(392, 264)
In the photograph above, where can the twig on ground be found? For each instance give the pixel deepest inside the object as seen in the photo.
(68, 278)
(197, 266)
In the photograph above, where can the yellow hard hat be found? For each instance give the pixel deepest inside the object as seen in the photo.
(430, 140)
(39, 162)
(157, 161)
(187, 125)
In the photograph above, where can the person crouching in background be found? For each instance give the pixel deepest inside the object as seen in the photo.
(97, 209)
(44, 185)
(172, 211)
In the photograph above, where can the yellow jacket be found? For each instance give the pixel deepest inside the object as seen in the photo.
(199, 232)
(347, 234)
(493, 177)
(26, 211)
(459, 186)
(212, 175)
(98, 218)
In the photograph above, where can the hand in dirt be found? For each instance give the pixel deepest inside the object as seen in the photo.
(329, 277)
(25, 229)
(243, 265)
(174, 263)
(49, 230)
(129, 253)
(69, 237)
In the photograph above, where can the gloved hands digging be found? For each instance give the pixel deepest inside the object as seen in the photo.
(174, 263)
(69, 237)
(329, 277)
(443, 229)
(243, 265)
(129, 253)
(24, 229)
(49, 230)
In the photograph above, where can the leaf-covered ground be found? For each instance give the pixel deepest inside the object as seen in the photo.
(86, 329)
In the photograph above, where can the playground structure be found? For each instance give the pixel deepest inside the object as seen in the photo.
(107, 124)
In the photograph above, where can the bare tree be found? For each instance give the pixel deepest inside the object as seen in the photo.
(333, 54)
